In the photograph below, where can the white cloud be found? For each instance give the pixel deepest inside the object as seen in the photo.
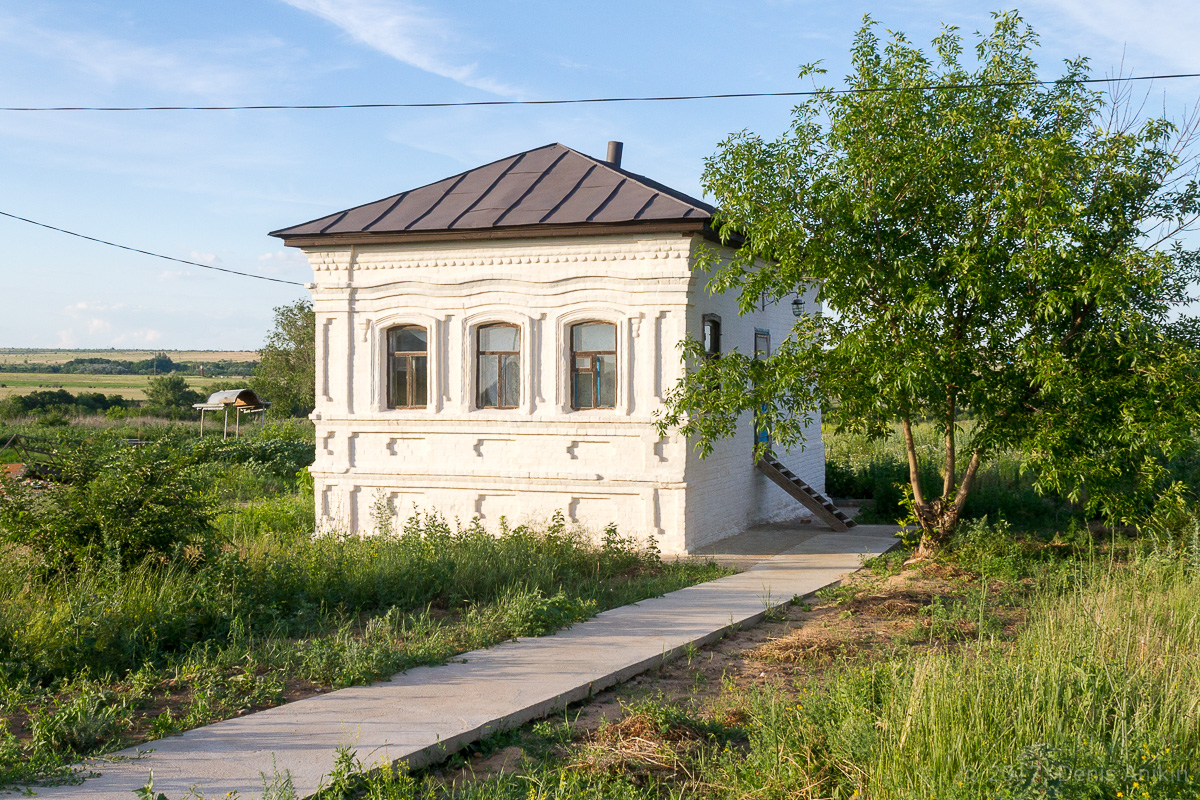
(405, 32)
(97, 325)
(1153, 29)
(286, 256)
(204, 258)
(188, 67)
(83, 307)
(67, 339)
(142, 336)
(282, 262)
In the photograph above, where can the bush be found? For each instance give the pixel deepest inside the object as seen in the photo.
(280, 458)
(112, 500)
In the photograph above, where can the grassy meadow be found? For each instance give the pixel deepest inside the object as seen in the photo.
(38, 355)
(131, 387)
(165, 586)
(1041, 655)
(160, 587)
(1068, 672)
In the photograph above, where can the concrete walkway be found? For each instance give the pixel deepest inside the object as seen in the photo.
(422, 715)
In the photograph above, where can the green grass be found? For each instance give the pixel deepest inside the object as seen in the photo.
(131, 387)
(113, 656)
(878, 470)
(1094, 697)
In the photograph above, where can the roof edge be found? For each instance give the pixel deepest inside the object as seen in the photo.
(700, 226)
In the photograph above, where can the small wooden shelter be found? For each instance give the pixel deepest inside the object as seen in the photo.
(240, 401)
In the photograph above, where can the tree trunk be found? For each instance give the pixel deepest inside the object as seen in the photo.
(940, 517)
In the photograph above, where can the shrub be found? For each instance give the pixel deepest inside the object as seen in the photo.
(114, 500)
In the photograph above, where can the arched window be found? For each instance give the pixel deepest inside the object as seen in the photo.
(408, 367)
(498, 366)
(593, 365)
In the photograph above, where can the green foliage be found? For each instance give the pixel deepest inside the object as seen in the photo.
(112, 500)
(998, 248)
(278, 457)
(78, 725)
(158, 364)
(169, 396)
(260, 601)
(61, 401)
(875, 469)
(286, 373)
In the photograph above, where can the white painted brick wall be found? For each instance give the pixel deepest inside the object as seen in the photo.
(597, 466)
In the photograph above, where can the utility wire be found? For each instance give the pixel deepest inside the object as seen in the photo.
(663, 98)
(147, 252)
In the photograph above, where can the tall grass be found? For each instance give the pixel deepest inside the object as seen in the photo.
(109, 654)
(1095, 698)
(288, 583)
(1098, 694)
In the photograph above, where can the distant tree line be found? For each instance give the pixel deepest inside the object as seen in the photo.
(167, 396)
(285, 377)
(159, 364)
(45, 400)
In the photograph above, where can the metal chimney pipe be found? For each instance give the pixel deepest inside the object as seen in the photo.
(614, 153)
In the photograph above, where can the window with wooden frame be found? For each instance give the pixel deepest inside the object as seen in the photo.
(408, 367)
(498, 366)
(593, 365)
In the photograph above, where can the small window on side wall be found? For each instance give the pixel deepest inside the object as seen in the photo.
(498, 366)
(408, 367)
(762, 343)
(593, 365)
(712, 335)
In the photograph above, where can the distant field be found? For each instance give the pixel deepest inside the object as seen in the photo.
(131, 387)
(33, 355)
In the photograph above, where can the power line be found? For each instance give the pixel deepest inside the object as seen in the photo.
(577, 101)
(147, 252)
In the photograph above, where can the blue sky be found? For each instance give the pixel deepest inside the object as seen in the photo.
(208, 186)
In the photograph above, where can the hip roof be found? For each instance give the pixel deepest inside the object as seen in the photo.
(545, 189)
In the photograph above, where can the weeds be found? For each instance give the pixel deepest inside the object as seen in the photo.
(261, 609)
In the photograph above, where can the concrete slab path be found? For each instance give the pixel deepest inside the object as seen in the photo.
(423, 715)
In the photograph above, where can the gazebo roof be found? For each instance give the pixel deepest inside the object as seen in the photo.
(232, 398)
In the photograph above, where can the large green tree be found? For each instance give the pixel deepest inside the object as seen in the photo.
(169, 396)
(286, 374)
(989, 246)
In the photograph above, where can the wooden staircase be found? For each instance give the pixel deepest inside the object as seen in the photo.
(809, 497)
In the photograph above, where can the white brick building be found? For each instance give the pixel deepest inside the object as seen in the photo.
(498, 343)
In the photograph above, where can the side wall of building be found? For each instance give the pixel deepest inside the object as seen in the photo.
(726, 494)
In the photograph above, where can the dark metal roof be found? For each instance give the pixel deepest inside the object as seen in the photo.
(548, 186)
